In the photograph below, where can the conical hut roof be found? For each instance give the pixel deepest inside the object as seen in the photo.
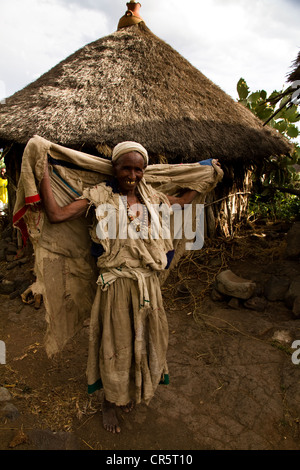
(295, 74)
(131, 85)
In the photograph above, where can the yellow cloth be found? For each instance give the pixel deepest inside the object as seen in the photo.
(3, 191)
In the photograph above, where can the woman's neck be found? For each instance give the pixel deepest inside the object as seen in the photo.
(132, 197)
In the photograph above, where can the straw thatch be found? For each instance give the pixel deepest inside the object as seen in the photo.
(131, 85)
(295, 74)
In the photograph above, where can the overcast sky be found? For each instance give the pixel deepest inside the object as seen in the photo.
(225, 39)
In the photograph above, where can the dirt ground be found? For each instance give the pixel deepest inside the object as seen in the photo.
(233, 385)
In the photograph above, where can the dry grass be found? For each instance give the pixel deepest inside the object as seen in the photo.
(198, 270)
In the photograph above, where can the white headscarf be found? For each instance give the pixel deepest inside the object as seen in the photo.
(125, 147)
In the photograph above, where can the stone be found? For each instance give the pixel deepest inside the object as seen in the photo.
(296, 307)
(9, 411)
(44, 439)
(216, 296)
(293, 242)
(293, 292)
(7, 287)
(276, 287)
(4, 394)
(232, 285)
(256, 303)
(234, 303)
(282, 336)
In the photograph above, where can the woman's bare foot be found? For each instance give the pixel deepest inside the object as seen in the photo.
(109, 416)
(127, 408)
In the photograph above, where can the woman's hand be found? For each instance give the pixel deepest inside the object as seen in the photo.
(55, 213)
(186, 198)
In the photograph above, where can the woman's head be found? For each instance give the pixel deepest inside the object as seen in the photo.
(129, 146)
(129, 170)
(129, 160)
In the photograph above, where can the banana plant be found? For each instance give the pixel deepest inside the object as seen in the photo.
(281, 114)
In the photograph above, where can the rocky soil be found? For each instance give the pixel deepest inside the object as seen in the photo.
(233, 360)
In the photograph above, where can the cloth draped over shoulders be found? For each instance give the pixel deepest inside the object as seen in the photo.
(128, 249)
(63, 260)
(128, 335)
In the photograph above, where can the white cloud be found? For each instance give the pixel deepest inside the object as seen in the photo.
(36, 35)
(224, 39)
(233, 38)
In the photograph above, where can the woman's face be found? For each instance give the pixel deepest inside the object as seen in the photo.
(129, 170)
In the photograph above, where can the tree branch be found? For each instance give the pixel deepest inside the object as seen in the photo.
(296, 192)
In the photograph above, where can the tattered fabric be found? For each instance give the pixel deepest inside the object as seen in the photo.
(64, 263)
(128, 325)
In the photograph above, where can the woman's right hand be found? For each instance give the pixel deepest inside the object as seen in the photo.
(55, 213)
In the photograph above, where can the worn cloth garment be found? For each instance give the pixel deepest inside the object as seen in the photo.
(3, 191)
(128, 326)
(129, 146)
(64, 261)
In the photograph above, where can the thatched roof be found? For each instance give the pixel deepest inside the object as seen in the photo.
(295, 74)
(131, 85)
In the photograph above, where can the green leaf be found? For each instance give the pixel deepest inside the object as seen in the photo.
(291, 114)
(254, 97)
(280, 125)
(263, 94)
(264, 112)
(243, 102)
(284, 100)
(292, 131)
(242, 89)
(274, 94)
(297, 151)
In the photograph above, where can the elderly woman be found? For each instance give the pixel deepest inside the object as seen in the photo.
(128, 327)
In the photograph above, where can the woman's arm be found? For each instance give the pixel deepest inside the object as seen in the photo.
(186, 198)
(55, 213)
(189, 195)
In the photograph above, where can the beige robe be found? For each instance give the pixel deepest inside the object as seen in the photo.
(128, 326)
(63, 262)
